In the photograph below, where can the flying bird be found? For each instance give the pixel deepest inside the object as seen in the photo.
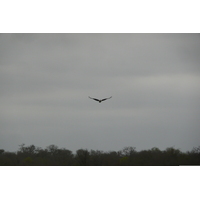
(100, 100)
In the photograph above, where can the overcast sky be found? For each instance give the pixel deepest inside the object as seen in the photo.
(154, 81)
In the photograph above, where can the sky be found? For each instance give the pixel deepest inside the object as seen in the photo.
(154, 81)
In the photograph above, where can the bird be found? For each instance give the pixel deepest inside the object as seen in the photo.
(100, 100)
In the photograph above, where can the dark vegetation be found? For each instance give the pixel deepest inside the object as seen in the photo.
(53, 156)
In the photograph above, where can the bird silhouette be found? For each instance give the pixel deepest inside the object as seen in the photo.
(100, 100)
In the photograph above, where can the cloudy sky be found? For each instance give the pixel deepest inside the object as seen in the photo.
(154, 81)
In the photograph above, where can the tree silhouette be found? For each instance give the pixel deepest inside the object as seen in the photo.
(52, 155)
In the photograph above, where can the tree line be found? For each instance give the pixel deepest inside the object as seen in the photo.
(128, 156)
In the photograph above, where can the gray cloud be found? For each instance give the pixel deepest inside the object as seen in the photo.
(45, 81)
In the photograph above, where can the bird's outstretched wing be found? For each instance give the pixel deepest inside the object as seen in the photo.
(106, 98)
(94, 99)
